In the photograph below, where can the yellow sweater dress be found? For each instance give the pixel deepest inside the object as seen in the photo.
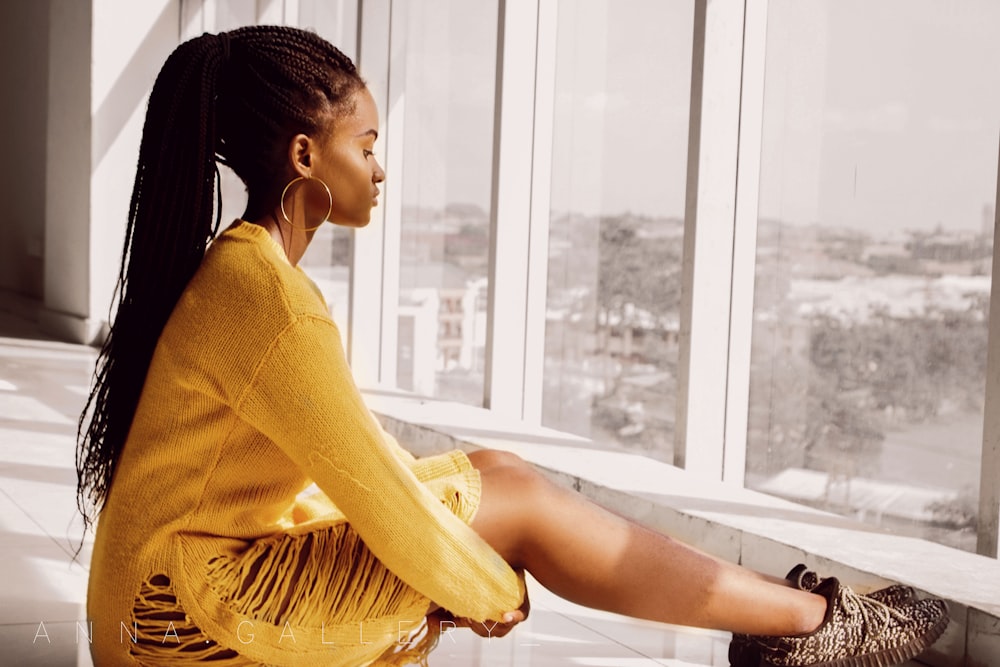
(210, 549)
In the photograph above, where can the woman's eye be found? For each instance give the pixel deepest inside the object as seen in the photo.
(368, 153)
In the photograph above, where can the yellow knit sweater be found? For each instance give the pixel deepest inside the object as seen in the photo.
(208, 546)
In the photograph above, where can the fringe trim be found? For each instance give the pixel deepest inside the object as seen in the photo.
(327, 577)
(416, 651)
(165, 636)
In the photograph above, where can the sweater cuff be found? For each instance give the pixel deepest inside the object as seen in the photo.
(441, 465)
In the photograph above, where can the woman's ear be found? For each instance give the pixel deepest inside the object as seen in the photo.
(300, 158)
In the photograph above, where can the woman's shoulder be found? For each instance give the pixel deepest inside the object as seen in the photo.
(246, 265)
(243, 293)
(241, 301)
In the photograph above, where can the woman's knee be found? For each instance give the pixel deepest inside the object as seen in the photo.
(518, 490)
(514, 494)
(484, 459)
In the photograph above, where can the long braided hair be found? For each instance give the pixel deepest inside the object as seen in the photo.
(237, 98)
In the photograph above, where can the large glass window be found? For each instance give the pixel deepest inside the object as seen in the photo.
(623, 78)
(875, 238)
(450, 74)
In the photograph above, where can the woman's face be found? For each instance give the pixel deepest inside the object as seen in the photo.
(347, 164)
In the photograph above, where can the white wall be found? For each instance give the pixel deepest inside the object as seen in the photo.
(131, 41)
(67, 151)
(104, 56)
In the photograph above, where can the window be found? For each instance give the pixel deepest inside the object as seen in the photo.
(623, 78)
(874, 252)
(450, 74)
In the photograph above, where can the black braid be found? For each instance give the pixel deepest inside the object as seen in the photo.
(237, 98)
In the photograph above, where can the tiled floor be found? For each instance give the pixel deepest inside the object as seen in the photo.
(42, 586)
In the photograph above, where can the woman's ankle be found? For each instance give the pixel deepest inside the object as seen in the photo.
(812, 615)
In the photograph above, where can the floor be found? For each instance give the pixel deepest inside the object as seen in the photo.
(43, 386)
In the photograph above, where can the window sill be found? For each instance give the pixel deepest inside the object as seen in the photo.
(759, 531)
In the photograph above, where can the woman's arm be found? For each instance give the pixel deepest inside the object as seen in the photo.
(303, 397)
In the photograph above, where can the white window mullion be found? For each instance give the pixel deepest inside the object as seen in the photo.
(276, 12)
(707, 267)
(290, 12)
(270, 12)
(365, 321)
(197, 17)
(541, 188)
(510, 210)
(393, 113)
(989, 483)
(745, 242)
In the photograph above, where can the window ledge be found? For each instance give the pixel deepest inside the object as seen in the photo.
(762, 532)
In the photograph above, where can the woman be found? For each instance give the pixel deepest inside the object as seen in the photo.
(222, 393)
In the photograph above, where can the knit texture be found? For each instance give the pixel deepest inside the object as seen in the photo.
(259, 514)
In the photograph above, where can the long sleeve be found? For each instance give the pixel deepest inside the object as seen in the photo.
(303, 397)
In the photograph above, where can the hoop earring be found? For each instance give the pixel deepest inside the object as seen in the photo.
(329, 210)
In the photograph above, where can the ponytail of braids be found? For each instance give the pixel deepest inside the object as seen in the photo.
(170, 223)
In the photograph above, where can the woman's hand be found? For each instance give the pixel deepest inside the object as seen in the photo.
(487, 629)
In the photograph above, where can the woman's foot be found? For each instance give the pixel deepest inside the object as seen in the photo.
(744, 651)
(858, 631)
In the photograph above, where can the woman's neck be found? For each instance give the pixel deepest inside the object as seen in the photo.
(294, 241)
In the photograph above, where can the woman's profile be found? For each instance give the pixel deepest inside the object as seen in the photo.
(222, 394)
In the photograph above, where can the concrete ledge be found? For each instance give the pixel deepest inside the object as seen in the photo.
(759, 531)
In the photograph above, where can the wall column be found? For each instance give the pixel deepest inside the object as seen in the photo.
(99, 80)
(68, 307)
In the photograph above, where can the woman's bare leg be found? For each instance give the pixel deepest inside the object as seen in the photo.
(590, 556)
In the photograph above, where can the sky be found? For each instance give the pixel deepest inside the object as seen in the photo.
(877, 113)
(881, 114)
